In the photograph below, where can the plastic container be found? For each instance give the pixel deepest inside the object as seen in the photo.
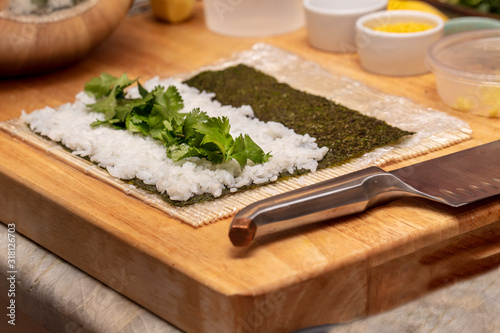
(396, 54)
(469, 23)
(253, 18)
(467, 70)
(331, 23)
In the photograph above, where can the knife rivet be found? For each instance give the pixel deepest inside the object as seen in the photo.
(464, 191)
(477, 188)
(449, 193)
(487, 184)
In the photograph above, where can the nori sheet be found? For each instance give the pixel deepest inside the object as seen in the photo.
(347, 133)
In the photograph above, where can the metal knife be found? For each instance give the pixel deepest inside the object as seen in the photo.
(456, 179)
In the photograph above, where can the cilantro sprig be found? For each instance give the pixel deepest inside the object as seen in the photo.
(157, 113)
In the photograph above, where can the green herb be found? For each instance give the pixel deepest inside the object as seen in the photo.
(347, 133)
(484, 6)
(157, 113)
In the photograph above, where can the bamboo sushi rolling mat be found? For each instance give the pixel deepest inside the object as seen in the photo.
(434, 130)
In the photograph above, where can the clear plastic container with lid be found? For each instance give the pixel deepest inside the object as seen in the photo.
(467, 70)
(253, 18)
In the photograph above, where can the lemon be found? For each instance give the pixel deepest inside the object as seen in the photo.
(464, 104)
(415, 5)
(173, 11)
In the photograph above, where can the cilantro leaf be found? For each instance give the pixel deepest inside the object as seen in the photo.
(120, 84)
(196, 116)
(142, 91)
(172, 99)
(103, 85)
(99, 87)
(181, 151)
(254, 152)
(239, 152)
(136, 123)
(216, 131)
(157, 113)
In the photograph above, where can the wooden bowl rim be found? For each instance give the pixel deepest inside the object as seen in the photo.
(40, 47)
(56, 16)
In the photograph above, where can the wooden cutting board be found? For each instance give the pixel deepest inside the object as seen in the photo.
(194, 278)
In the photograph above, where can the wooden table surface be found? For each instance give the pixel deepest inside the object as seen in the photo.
(145, 47)
(62, 298)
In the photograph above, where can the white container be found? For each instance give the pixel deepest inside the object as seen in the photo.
(396, 54)
(253, 18)
(331, 23)
(467, 70)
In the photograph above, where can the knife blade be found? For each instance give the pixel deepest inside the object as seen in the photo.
(456, 179)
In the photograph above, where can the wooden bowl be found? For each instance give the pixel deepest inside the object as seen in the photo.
(34, 44)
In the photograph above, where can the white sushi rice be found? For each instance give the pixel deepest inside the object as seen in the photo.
(127, 156)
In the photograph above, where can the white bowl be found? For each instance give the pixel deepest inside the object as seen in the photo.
(396, 54)
(331, 23)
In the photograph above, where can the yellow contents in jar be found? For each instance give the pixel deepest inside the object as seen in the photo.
(403, 27)
(486, 102)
